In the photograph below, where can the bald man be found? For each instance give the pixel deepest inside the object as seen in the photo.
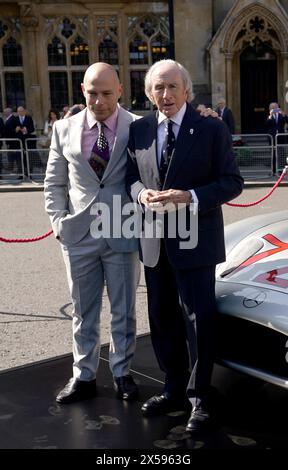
(85, 175)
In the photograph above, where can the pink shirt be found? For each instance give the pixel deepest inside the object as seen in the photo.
(90, 132)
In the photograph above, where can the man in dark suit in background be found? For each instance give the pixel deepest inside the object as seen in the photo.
(9, 133)
(226, 115)
(275, 124)
(276, 120)
(24, 129)
(201, 169)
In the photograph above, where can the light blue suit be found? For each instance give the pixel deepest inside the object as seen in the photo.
(72, 188)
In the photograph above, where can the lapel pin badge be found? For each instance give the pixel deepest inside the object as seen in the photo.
(191, 131)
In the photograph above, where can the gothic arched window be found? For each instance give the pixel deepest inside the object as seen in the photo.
(12, 53)
(68, 58)
(108, 50)
(159, 48)
(56, 52)
(138, 51)
(79, 52)
(148, 41)
(12, 88)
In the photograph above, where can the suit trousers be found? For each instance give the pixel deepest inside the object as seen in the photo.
(90, 263)
(182, 309)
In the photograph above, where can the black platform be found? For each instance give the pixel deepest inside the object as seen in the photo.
(253, 415)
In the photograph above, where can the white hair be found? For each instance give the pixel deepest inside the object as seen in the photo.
(184, 74)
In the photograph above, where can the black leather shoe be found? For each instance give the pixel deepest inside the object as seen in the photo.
(161, 404)
(125, 387)
(77, 390)
(199, 421)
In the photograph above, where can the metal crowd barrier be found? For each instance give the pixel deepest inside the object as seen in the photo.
(11, 160)
(37, 152)
(281, 150)
(18, 162)
(254, 153)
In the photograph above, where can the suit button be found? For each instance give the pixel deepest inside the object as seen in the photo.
(101, 185)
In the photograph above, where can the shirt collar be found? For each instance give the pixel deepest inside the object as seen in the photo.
(110, 122)
(177, 118)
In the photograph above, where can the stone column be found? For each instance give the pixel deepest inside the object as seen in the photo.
(30, 22)
(229, 81)
(193, 31)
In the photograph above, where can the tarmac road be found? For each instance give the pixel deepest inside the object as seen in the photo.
(35, 307)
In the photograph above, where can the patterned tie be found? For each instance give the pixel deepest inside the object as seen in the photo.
(100, 152)
(167, 150)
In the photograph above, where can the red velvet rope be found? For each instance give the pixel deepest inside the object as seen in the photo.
(36, 239)
(25, 240)
(264, 197)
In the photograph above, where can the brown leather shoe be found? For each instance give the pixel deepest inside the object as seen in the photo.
(125, 387)
(77, 390)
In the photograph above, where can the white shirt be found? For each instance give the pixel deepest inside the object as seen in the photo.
(177, 121)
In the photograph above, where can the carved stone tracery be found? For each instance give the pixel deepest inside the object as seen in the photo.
(255, 22)
(28, 17)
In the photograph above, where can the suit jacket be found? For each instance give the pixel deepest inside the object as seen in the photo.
(72, 187)
(228, 118)
(9, 132)
(203, 160)
(28, 123)
(278, 127)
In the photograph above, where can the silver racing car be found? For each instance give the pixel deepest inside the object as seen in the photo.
(252, 298)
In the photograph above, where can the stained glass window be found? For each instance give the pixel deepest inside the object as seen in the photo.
(79, 52)
(159, 48)
(56, 52)
(108, 50)
(138, 51)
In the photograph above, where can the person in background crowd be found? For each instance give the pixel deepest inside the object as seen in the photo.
(24, 129)
(53, 116)
(178, 157)
(275, 124)
(226, 115)
(14, 158)
(65, 110)
(76, 108)
(276, 120)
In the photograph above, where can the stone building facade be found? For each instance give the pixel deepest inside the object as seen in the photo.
(233, 49)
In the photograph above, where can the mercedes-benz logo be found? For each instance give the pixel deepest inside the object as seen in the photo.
(254, 300)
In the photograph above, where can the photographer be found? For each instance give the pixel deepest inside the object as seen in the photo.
(276, 120)
(275, 124)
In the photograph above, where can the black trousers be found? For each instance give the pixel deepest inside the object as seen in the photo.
(182, 313)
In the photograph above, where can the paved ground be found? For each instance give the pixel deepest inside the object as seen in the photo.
(35, 308)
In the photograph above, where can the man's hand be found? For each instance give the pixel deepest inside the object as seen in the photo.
(170, 196)
(146, 195)
(210, 112)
